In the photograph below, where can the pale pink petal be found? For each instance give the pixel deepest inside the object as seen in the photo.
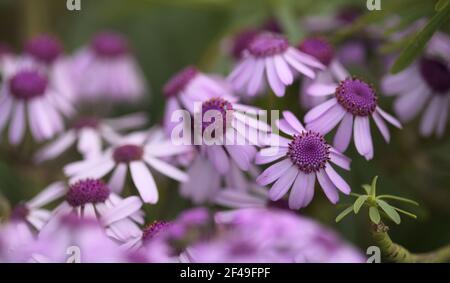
(407, 106)
(381, 125)
(344, 133)
(283, 125)
(430, 117)
(144, 182)
(89, 142)
(443, 117)
(17, 126)
(49, 194)
(272, 77)
(117, 181)
(325, 123)
(282, 69)
(328, 187)
(239, 156)
(55, 148)
(337, 180)
(167, 169)
(293, 121)
(298, 192)
(299, 66)
(122, 210)
(339, 159)
(257, 77)
(339, 71)
(219, 158)
(274, 172)
(319, 110)
(270, 154)
(362, 137)
(283, 184)
(388, 117)
(305, 58)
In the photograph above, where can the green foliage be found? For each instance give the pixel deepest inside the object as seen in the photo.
(377, 206)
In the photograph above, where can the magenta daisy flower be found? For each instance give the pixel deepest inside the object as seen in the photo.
(134, 153)
(90, 133)
(424, 85)
(241, 132)
(270, 58)
(107, 69)
(27, 93)
(300, 159)
(187, 87)
(44, 48)
(354, 102)
(311, 92)
(92, 198)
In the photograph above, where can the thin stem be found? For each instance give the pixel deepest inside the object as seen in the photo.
(396, 253)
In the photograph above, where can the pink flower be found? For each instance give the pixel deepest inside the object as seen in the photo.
(28, 92)
(425, 85)
(187, 87)
(89, 134)
(270, 58)
(354, 100)
(136, 153)
(304, 156)
(107, 70)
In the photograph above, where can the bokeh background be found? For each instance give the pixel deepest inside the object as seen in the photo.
(168, 35)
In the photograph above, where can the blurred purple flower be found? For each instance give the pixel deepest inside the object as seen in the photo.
(305, 156)
(136, 153)
(271, 53)
(106, 69)
(424, 85)
(354, 100)
(29, 93)
(90, 133)
(323, 51)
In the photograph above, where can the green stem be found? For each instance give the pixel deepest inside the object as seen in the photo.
(396, 253)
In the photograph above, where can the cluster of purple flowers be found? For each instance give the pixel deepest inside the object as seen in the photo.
(98, 207)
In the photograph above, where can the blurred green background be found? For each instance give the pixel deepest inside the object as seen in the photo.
(168, 35)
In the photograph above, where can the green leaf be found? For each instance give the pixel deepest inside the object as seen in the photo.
(440, 5)
(373, 187)
(390, 211)
(405, 212)
(398, 198)
(417, 44)
(374, 215)
(359, 203)
(366, 188)
(344, 213)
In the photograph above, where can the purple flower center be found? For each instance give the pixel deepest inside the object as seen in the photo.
(128, 153)
(20, 212)
(44, 48)
(268, 44)
(86, 122)
(179, 81)
(109, 45)
(87, 191)
(242, 41)
(27, 85)
(154, 229)
(356, 96)
(309, 151)
(215, 104)
(319, 48)
(436, 73)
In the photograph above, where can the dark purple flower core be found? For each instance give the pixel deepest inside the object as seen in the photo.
(268, 44)
(179, 81)
(110, 45)
(154, 229)
(20, 212)
(86, 122)
(319, 48)
(436, 74)
(27, 85)
(241, 42)
(87, 191)
(128, 153)
(44, 48)
(216, 104)
(356, 96)
(309, 152)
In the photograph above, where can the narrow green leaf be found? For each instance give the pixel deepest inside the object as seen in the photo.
(374, 215)
(366, 188)
(373, 187)
(399, 199)
(417, 44)
(405, 212)
(441, 5)
(390, 211)
(359, 203)
(344, 213)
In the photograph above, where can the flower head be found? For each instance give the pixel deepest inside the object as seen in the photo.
(271, 53)
(354, 100)
(424, 85)
(44, 48)
(304, 156)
